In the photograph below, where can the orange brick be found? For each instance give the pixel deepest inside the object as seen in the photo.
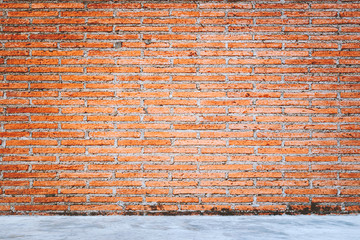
(211, 107)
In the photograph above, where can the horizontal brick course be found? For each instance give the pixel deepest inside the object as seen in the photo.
(179, 107)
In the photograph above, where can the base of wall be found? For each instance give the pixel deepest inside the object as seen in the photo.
(201, 210)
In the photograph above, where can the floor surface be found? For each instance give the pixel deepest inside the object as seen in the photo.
(179, 227)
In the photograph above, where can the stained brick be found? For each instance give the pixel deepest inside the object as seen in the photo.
(179, 107)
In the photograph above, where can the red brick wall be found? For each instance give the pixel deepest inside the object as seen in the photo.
(144, 107)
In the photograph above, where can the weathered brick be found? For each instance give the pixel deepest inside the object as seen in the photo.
(179, 107)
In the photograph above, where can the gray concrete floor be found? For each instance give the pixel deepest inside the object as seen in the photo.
(179, 227)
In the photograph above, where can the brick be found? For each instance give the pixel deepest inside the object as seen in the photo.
(85, 29)
(29, 175)
(29, 29)
(41, 208)
(58, 21)
(57, 36)
(310, 13)
(198, 29)
(179, 108)
(88, 207)
(31, 191)
(283, 199)
(15, 200)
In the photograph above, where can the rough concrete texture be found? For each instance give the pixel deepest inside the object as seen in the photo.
(179, 107)
(180, 228)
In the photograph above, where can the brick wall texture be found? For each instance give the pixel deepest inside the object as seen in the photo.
(179, 107)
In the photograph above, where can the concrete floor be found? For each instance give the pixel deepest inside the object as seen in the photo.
(179, 227)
